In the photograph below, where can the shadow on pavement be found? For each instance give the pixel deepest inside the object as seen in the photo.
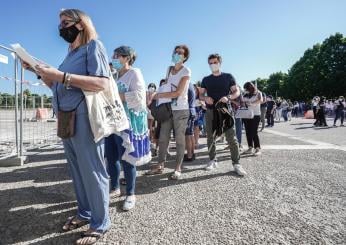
(32, 212)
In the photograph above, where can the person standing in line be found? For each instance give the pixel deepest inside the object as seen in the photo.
(252, 98)
(263, 110)
(189, 134)
(219, 87)
(177, 83)
(289, 110)
(339, 111)
(284, 105)
(199, 116)
(270, 111)
(129, 148)
(84, 68)
(295, 109)
(149, 98)
(314, 104)
(278, 109)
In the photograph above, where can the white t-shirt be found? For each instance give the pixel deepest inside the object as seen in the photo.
(133, 86)
(180, 103)
(256, 108)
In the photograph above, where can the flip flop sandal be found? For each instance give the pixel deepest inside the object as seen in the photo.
(71, 225)
(156, 169)
(96, 235)
(175, 176)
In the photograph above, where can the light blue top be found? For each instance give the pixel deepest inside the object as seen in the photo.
(89, 59)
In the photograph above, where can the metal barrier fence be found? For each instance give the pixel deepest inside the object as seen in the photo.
(26, 115)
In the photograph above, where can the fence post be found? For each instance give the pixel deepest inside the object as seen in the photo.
(21, 111)
(16, 100)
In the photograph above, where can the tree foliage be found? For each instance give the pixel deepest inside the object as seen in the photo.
(320, 71)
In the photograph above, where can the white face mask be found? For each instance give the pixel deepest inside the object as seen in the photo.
(214, 67)
(151, 90)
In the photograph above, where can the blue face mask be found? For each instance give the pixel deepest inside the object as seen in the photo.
(117, 65)
(177, 58)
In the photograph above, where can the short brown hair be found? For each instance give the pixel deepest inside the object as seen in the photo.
(89, 33)
(215, 56)
(186, 51)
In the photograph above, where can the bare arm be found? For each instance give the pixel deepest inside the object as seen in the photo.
(87, 83)
(182, 84)
(202, 96)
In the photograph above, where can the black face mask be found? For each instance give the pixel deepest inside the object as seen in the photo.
(69, 34)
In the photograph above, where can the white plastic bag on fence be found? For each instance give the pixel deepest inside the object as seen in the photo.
(106, 112)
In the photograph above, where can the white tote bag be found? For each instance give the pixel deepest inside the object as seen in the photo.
(106, 112)
(244, 113)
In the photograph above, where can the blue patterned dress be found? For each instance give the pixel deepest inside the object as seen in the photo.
(136, 140)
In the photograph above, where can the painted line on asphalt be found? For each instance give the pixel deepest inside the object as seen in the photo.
(297, 147)
(309, 141)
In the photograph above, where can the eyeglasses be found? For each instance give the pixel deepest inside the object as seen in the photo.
(65, 23)
(179, 52)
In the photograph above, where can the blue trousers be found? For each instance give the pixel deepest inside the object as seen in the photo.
(114, 152)
(238, 129)
(89, 174)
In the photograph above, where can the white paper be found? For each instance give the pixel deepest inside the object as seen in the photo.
(25, 56)
(3, 59)
(163, 89)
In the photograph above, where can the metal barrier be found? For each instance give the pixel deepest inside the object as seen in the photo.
(25, 113)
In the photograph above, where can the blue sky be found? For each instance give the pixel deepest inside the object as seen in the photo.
(255, 38)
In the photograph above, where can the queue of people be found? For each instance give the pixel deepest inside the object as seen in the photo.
(216, 107)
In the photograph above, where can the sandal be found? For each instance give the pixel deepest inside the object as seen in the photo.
(115, 193)
(155, 169)
(175, 176)
(90, 238)
(72, 224)
(122, 181)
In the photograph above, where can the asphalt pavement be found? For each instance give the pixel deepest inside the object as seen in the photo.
(294, 193)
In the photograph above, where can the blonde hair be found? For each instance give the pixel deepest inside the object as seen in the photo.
(89, 32)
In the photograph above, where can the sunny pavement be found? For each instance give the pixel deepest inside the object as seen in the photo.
(294, 193)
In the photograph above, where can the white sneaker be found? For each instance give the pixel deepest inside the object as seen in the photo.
(248, 151)
(257, 152)
(239, 169)
(211, 165)
(129, 203)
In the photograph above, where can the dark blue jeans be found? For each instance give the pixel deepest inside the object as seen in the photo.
(114, 152)
(339, 114)
(284, 115)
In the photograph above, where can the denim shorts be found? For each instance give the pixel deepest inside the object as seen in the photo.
(190, 126)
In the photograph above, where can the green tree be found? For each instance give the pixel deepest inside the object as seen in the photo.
(275, 84)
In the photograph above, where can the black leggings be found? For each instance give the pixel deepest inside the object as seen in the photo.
(251, 126)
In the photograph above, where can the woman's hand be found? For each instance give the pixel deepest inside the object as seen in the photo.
(26, 66)
(49, 73)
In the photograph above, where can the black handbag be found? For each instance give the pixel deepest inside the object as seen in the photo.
(161, 113)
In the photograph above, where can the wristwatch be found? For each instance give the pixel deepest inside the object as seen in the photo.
(67, 82)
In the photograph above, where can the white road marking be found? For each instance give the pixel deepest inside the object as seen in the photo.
(315, 144)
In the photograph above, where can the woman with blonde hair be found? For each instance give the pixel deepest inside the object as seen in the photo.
(84, 68)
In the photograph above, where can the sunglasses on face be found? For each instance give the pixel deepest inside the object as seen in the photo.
(66, 23)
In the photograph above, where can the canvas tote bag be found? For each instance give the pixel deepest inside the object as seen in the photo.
(106, 112)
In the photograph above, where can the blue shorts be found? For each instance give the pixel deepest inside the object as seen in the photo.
(190, 126)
